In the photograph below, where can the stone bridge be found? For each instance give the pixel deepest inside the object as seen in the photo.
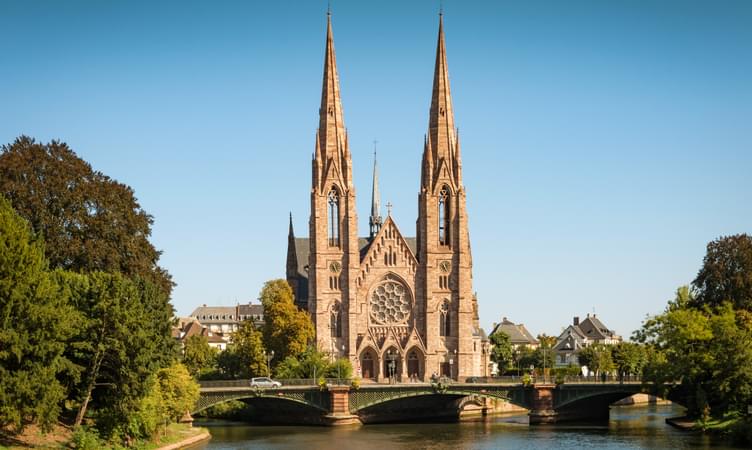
(379, 403)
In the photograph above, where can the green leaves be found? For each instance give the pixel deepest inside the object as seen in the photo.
(35, 320)
(287, 329)
(726, 273)
(501, 349)
(89, 221)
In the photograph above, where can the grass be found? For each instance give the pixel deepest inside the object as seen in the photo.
(60, 438)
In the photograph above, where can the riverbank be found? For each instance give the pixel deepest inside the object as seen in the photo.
(177, 436)
(735, 427)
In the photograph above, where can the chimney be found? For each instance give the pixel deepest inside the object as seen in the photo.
(576, 321)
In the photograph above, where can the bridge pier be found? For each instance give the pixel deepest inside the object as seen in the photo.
(339, 409)
(542, 410)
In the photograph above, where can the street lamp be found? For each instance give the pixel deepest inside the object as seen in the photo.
(390, 356)
(269, 358)
(339, 365)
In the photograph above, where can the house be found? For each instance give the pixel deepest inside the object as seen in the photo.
(582, 334)
(227, 319)
(189, 326)
(519, 336)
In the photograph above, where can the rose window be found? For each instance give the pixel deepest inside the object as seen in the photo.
(390, 303)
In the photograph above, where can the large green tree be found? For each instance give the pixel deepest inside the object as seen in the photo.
(123, 340)
(35, 320)
(89, 221)
(287, 329)
(726, 273)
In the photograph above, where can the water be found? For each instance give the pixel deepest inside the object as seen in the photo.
(633, 427)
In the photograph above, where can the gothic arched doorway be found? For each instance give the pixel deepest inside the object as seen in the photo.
(414, 366)
(368, 365)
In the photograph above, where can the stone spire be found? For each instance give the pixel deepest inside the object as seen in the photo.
(332, 141)
(375, 220)
(441, 141)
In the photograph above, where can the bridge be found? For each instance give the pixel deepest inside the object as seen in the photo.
(338, 402)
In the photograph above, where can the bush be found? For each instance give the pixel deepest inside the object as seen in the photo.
(85, 438)
(355, 383)
(527, 380)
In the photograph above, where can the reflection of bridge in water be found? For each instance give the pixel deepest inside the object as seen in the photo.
(338, 404)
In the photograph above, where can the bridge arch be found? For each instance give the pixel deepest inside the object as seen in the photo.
(311, 400)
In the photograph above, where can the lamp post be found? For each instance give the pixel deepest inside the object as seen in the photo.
(390, 356)
(269, 358)
(339, 365)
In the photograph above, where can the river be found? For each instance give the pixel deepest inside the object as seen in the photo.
(630, 427)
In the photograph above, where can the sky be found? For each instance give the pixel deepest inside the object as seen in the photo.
(604, 143)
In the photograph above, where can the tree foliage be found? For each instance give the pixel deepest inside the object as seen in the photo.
(726, 273)
(597, 357)
(628, 358)
(287, 330)
(249, 348)
(501, 349)
(123, 339)
(198, 356)
(709, 350)
(313, 364)
(35, 320)
(89, 221)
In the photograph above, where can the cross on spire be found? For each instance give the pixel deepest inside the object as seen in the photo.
(389, 208)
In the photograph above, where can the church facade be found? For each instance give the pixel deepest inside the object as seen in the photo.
(398, 307)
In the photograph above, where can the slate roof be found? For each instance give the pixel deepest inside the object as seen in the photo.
(302, 250)
(227, 314)
(518, 334)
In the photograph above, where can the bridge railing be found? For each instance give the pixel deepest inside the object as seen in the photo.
(285, 382)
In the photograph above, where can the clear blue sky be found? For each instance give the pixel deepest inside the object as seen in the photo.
(604, 142)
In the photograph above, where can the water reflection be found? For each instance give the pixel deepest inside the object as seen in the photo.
(634, 427)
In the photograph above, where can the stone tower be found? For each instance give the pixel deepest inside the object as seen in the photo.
(334, 257)
(445, 263)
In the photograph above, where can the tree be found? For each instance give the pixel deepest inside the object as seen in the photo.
(89, 221)
(249, 348)
(121, 343)
(501, 350)
(628, 358)
(597, 358)
(287, 329)
(726, 273)
(198, 356)
(309, 364)
(35, 320)
(179, 390)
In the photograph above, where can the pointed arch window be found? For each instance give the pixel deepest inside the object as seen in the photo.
(444, 216)
(333, 217)
(336, 320)
(445, 319)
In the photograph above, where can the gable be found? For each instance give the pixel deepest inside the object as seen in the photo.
(387, 249)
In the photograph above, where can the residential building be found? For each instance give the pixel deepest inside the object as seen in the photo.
(581, 334)
(227, 319)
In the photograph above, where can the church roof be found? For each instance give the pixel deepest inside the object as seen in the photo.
(303, 250)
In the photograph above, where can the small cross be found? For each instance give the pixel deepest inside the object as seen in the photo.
(388, 208)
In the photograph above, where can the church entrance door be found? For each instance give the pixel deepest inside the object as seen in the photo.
(367, 366)
(413, 366)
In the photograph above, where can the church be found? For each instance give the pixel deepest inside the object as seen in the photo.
(400, 308)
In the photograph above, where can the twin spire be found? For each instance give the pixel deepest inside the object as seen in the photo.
(332, 156)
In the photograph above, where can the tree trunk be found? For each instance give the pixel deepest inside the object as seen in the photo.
(92, 381)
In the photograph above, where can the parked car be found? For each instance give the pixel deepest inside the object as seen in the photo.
(265, 382)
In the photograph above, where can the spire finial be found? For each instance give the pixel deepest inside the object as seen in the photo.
(389, 209)
(375, 220)
(441, 7)
(329, 8)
